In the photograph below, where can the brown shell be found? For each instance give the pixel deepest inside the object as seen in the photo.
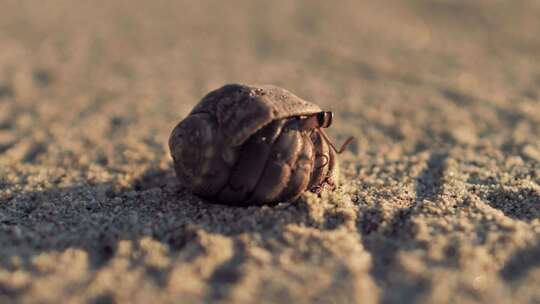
(241, 110)
(243, 145)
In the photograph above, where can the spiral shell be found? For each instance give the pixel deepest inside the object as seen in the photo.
(244, 145)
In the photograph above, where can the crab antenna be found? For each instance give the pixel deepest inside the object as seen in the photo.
(343, 146)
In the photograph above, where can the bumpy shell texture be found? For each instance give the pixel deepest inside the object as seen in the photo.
(242, 145)
(241, 110)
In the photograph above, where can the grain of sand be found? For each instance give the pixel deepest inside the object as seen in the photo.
(441, 195)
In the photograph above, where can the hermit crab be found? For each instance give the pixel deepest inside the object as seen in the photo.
(253, 145)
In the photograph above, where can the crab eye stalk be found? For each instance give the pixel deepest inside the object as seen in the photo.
(316, 121)
(324, 119)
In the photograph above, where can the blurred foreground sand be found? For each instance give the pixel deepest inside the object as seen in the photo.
(441, 194)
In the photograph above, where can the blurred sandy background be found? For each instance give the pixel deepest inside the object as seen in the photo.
(441, 194)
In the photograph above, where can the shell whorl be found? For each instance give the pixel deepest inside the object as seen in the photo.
(201, 157)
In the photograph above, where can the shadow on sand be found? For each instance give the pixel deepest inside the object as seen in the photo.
(96, 217)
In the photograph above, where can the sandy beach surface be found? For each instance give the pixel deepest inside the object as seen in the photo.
(440, 194)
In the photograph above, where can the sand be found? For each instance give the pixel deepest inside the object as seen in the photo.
(440, 200)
